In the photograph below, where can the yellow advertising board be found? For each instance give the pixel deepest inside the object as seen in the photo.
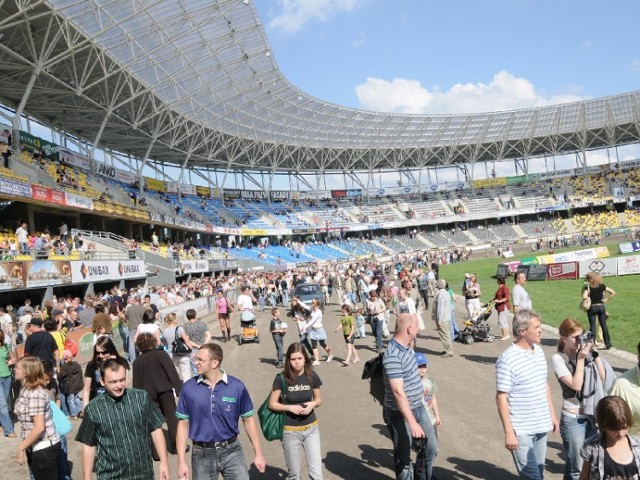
(252, 232)
(489, 182)
(153, 184)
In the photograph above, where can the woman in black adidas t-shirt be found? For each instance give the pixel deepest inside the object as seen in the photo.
(301, 397)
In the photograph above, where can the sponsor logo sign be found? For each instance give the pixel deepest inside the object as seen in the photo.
(575, 256)
(193, 266)
(562, 271)
(15, 189)
(73, 200)
(99, 270)
(629, 265)
(629, 247)
(607, 267)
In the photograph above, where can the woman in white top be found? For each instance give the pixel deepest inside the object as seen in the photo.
(148, 325)
(575, 359)
(316, 332)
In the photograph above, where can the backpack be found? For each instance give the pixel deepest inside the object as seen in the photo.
(374, 372)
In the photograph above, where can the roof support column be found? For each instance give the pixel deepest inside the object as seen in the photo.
(144, 162)
(182, 167)
(15, 123)
(92, 162)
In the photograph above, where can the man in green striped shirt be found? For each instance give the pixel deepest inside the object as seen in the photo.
(117, 428)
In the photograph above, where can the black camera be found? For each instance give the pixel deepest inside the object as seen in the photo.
(586, 337)
(419, 444)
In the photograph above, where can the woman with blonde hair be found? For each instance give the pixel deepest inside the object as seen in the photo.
(595, 290)
(170, 332)
(40, 447)
(576, 365)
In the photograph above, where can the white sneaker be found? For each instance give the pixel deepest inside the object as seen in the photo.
(329, 358)
(316, 363)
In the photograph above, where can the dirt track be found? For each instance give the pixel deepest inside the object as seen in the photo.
(355, 443)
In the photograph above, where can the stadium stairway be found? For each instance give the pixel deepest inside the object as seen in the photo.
(426, 242)
(471, 236)
(519, 231)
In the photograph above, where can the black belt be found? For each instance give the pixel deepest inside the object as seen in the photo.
(216, 444)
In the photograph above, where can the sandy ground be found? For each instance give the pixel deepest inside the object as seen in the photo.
(355, 441)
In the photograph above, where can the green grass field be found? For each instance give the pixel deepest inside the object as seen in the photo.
(559, 299)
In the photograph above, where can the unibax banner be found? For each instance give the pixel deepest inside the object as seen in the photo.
(193, 266)
(84, 271)
(78, 201)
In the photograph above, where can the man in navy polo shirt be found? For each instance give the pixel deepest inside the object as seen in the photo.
(208, 412)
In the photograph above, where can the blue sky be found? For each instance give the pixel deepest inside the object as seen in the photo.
(455, 56)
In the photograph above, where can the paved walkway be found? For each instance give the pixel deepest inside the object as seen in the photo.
(355, 442)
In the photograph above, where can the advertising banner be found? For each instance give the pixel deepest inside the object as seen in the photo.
(253, 231)
(188, 189)
(562, 271)
(313, 194)
(519, 179)
(507, 269)
(534, 272)
(74, 159)
(575, 256)
(13, 275)
(527, 260)
(629, 247)
(489, 182)
(43, 273)
(31, 143)
(556, 174)
(629, 265)
(99, 270)
(44, 194)
(444, 187)
(231, 193)
(193, 266)
(171, 187)
(203, 192)
(254, 194)
(73, 200)
(108, 171)
(15, 189)
(154, 184)
(280, 194)
(607, 267)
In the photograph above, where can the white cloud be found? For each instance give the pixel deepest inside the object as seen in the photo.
(294, 14)
(635, 65)
(505, 91)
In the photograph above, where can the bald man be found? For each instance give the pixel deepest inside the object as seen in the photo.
(403, 411)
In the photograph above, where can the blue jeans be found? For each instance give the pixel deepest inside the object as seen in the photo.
(352, 298)
(599, 312)
(5, 416)
(192, 361)
(285, 298)
(71, 404)
(306, 442)
(277, 339)
(402, 440)
(455, 332)
(530, 456)
(208, 463)
(574, 431)
(376, 329)
(128, 345)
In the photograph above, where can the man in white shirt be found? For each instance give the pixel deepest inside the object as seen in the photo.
(524, 398)
(22, 233)
(519, 297)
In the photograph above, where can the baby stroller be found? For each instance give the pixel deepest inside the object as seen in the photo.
(477, 328)
(248, 328)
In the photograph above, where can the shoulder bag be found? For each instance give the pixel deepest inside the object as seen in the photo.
(60, 420)
(178, 346)
(272, 423)
(585, 304)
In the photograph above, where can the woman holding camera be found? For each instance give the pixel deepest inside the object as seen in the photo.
(576, 366)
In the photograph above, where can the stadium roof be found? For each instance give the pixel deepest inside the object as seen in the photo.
(195, 83)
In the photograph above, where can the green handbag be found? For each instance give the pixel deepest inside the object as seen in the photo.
(272, 423)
